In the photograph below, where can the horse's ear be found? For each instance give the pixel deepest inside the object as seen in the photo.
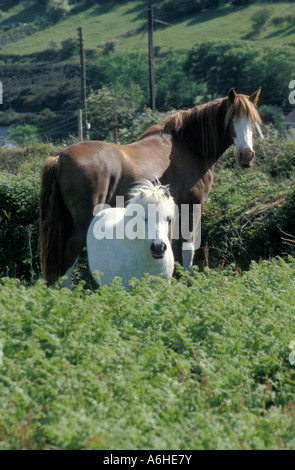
(232, 95)
(254, 97)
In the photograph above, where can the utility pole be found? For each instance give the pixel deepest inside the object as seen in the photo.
(151, 58)
(115, 129)
(83, 81)
(151, 22)
(80, 125)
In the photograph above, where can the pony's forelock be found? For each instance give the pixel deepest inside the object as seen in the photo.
(241, 106)
(146, 192)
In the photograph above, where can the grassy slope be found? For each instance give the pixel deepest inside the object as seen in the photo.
(225, 23)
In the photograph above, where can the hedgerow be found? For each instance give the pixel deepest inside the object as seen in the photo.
(19, 212)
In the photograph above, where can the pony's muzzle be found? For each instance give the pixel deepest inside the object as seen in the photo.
(158, 248)
(246, 157)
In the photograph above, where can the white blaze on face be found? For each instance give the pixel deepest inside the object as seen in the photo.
(243, 139)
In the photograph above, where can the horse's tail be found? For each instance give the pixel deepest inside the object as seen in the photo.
(53, 219)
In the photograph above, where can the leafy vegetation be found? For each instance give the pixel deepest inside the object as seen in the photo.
(19, 196)
(249, 213)
(222, 64)
(19, 209)
(24, 134)
(160, 367)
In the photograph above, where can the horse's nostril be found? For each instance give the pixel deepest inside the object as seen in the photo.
(158, 248)
(246, 157)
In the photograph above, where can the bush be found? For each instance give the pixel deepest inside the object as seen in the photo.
(272, 115)
(138, 126)
(260, 17)
(24, 134)
(23, 159)
(56, 10)
(276, 153)
(19, 211)
(159, 367)
(248, 216)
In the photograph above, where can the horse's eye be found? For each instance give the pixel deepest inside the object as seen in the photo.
(145, 219)
(169, 219)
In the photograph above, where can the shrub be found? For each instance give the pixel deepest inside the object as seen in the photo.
(159, 367)
(56, 10)
(271, 115)
(19, 195)
(24, 134)
(276, 153)
(260, 17)
(23, 159)
(248, 217)
(138, 126)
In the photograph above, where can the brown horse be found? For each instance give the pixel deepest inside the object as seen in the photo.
(180, 151)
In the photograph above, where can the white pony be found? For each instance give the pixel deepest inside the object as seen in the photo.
(135, 239)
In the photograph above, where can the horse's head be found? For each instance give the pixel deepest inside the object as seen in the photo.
(159, 215)
(243, 119)
(158, 223)
(159, 209)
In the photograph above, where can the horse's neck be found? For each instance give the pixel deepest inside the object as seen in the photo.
(224, 143)
(218, 139)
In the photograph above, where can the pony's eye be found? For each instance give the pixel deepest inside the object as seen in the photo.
(169, 219)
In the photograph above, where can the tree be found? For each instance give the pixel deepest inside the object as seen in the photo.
(222, 66)
(244, 67)
(108, 109)
(24, 134)
(271, 115)
(139, 125)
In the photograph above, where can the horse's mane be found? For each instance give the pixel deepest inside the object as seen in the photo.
(145, 192)
(242, 105)
(206, 119)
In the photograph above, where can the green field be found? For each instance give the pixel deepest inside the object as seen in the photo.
(201, 364)
(125, 24)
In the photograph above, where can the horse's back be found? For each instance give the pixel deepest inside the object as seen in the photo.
(88, 175)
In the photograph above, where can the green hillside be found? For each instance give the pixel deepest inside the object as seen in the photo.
(201, 53)
(21, 32)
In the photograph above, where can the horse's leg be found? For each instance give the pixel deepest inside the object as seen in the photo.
(177, 252)
(188, 250)
(188, 245)
(74, 247)
(68, 275)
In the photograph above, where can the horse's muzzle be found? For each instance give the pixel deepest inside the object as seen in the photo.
(246, 157)
(158, 249)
